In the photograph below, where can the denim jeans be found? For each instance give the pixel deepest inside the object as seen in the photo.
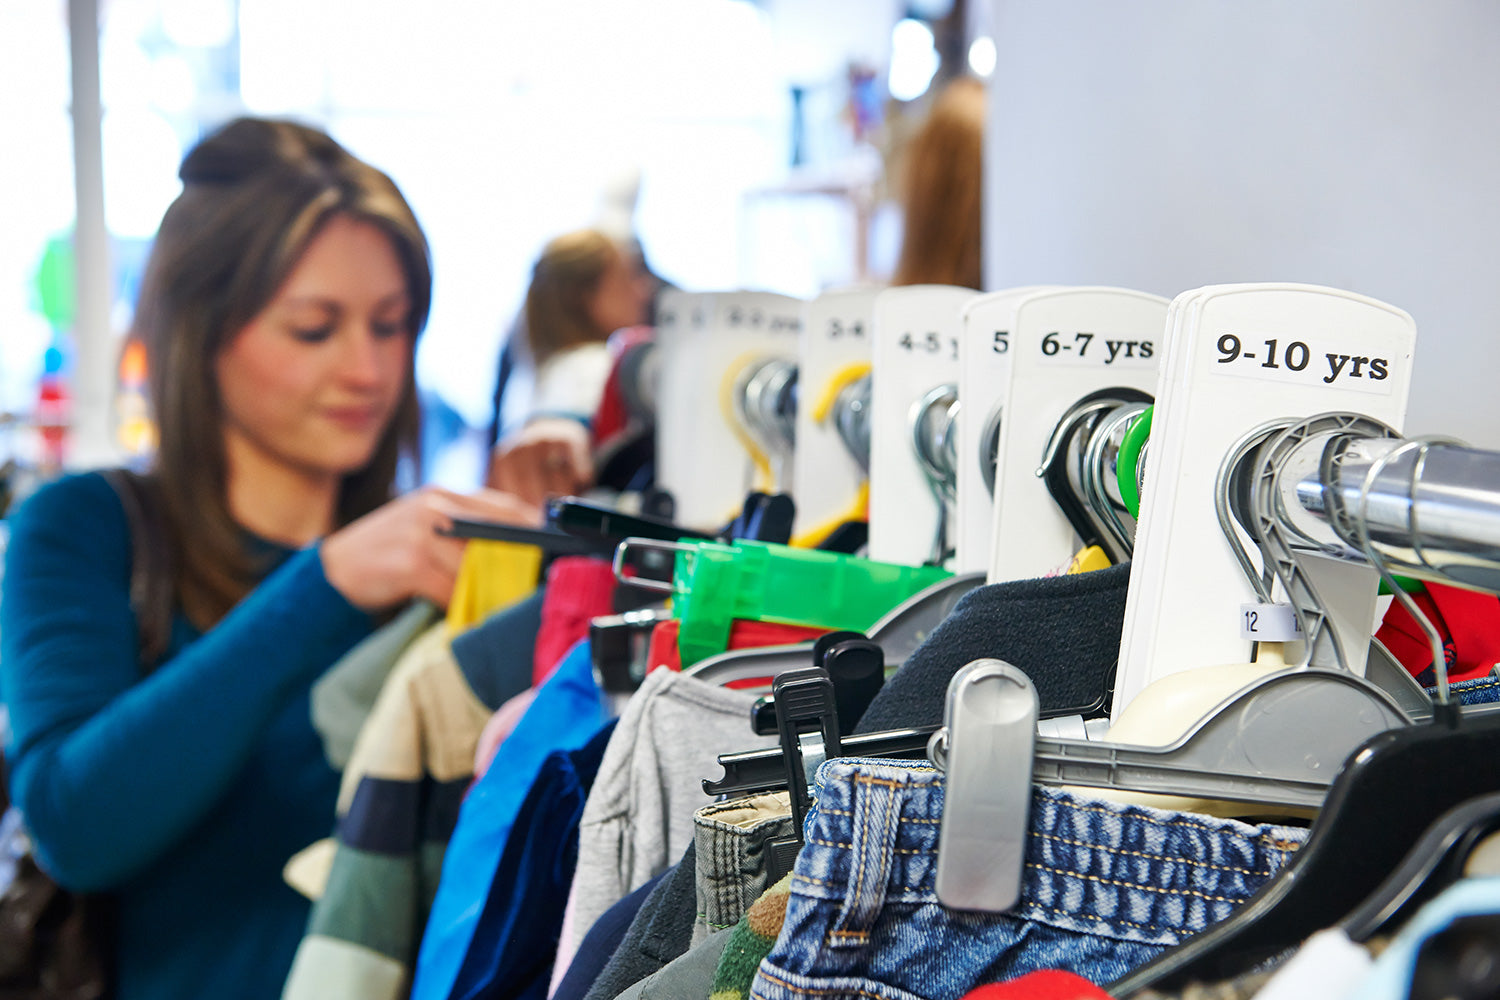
(1479, 691)
(1107, 887)
(733, 841)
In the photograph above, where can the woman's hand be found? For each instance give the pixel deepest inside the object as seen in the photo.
(395, 552)
(549, 457)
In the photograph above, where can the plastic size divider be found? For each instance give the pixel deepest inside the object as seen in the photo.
(836, 333)
(1066, 344)
(1242, 355)
(984, 378)
(701, 461)
(916, 349)
(681, 402)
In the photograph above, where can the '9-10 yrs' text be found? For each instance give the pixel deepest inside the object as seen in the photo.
(1296, 356)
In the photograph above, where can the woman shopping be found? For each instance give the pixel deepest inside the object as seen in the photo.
(280, 309)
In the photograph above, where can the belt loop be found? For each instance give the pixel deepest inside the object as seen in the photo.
(875, 821)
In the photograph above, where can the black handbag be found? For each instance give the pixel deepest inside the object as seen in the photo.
(56, 944)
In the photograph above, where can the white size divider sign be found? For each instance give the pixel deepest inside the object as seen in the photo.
(984, 354)
(683, 395)
(1242, 356)
(1066, 343)
(836, 342)
(917, 332)
(701, 461)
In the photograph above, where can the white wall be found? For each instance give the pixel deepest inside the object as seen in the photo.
(1167, 144)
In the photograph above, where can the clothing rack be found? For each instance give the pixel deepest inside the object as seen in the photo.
(1430, 508)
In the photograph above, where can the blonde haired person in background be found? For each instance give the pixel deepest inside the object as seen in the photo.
(584, 287)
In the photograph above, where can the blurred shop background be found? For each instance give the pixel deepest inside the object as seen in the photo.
(745, 144)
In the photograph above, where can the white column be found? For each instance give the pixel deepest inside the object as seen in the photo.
(91, 441)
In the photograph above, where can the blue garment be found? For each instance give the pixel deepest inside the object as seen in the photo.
(602, 941)
(183, 792)
(567, 712)
(1107, 887)
(513, 946)
(1479, 691)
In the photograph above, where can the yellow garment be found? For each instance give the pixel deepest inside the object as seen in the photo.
(493, 575)
(1088, 560)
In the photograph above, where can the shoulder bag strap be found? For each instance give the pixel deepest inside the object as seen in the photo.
(152, 584)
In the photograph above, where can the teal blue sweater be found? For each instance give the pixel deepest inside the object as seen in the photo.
(184, 792)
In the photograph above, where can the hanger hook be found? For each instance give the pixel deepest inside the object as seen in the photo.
(1377, 559)
(1252, 439)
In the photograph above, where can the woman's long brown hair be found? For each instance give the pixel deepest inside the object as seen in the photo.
(254, 194)
(943, 192)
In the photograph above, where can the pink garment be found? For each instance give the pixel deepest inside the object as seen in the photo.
(579, 589)
(501, 724)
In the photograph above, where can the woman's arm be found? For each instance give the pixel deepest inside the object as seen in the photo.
(112, 769)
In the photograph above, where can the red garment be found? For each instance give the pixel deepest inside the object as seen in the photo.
(742, 635)
(579, 589)
(1050, 984)
(1468, 621)
(612, 417)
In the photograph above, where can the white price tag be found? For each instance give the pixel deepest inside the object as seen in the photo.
(1269, 623)
(1091, 349)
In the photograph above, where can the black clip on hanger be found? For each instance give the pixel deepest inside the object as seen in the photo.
(549, 540)
(620, 646)
(805, 710)
(856, 666)
(591, 520)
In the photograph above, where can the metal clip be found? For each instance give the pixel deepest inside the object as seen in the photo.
(986, 748)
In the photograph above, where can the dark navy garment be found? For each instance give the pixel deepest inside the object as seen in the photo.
(513, 946)
(601, 942)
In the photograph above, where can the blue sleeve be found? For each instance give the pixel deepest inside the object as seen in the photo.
(111, 769)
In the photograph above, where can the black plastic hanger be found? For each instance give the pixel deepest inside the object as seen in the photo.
(855, 665)
(1059, 452)
(1435, 863)
(1389, 792)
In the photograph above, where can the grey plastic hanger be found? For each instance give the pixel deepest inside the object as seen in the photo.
(1277, 742)
(851, 419)
(1231, 497)
(1061, 468)
(989, 447)
(929, 421)
(1099, 481)
(1254, 747)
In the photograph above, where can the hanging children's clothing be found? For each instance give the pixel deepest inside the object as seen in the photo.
(344, 696)
(510, 955)
(567, 712)
(573, 980)
(639, 817)
(398, 803)
(1106, 888)
(1026, 623)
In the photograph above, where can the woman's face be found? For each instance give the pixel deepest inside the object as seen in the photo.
(311, 383)
(621, 296)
